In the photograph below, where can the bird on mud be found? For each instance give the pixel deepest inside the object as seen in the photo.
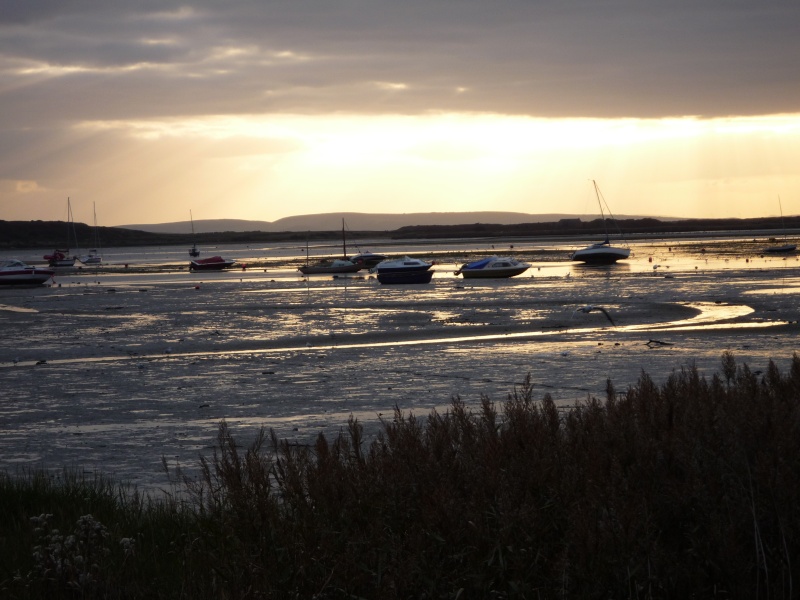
(591, 308)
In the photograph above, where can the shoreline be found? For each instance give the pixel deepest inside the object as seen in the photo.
(291, 256)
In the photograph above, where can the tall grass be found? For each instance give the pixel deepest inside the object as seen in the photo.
(689, 489)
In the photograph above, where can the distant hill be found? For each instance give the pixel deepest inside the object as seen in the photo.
(51, 234)
(354, 222)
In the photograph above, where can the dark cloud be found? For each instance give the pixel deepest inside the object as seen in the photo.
(642, 59)
(33, 12)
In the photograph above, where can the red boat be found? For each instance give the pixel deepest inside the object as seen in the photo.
(215, 263)
(60, 258)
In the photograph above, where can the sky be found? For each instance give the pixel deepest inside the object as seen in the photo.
(144, 111)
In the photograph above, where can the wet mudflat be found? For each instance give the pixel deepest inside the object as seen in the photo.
(113, 371)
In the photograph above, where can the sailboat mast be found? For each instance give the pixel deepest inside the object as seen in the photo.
(600, 204)
(96, 233)
(597, 195)
(71, 226)
(344, 242)
(69, 220)
(194, 251)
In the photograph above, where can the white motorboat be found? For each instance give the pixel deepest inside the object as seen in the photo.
(16, 272)
(601, 253)
(92, 258)
(493, 267)
(402, 264)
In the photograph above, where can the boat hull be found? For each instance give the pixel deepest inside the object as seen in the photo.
(62, 263)
(19, 273)
(492, 273)
(91, 259)
(785, 249)
(25, 279)
(328, 270)
(606, 255)
(405, 277)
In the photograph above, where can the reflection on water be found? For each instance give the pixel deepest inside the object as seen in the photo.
(709, 313)
(709, 316)
(788, 286)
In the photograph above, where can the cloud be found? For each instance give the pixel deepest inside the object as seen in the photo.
(619, 59)
(26, 187)
(84, 83)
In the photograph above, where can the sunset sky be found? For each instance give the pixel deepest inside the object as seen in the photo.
(262, 110)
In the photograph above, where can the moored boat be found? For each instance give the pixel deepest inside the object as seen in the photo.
(60, 258)
(404, 270)
(215, 263)
(193, 251)
(601, 253)
(783, 248)
(334, 266)
(93, 257)
(493, 267)
(367, 260)
(16, 272)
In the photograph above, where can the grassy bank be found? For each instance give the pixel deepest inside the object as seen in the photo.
(690, 489)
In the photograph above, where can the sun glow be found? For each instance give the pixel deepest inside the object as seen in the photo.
(256, 167)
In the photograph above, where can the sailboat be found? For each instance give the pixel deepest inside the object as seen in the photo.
(213, 263)
(366, 259)
(60, 256)
(601, 253)
(93, 257)
(337, 265)
(784, 248)
(194, 252)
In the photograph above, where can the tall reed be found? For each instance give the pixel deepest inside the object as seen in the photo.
(686, 489)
